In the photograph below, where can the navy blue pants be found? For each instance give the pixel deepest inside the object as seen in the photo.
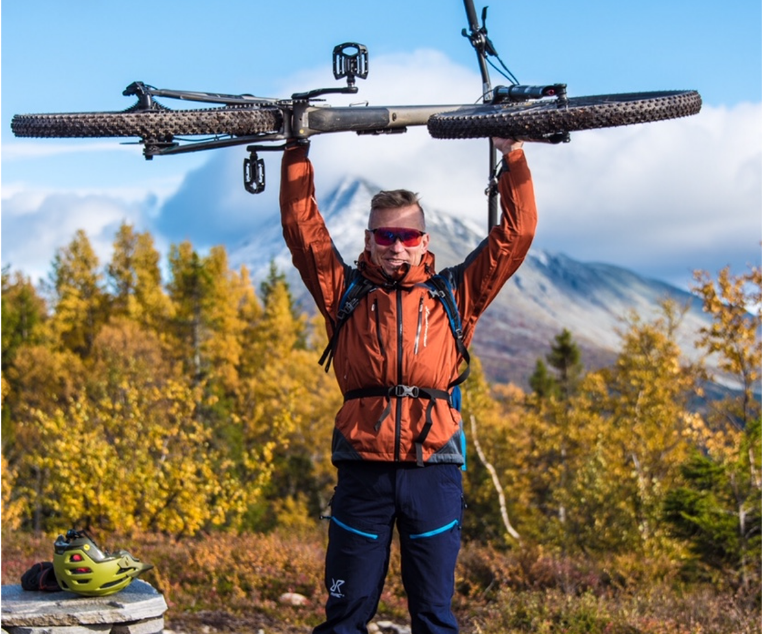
(426, 503)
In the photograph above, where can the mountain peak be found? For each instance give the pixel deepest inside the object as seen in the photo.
(349, 196)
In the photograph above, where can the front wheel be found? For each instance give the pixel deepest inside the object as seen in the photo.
(541, 120)
(160, 124)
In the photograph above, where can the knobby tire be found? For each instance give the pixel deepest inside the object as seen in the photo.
(540, 120)
(159, 125)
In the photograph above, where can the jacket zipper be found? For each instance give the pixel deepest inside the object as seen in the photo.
(399, 409)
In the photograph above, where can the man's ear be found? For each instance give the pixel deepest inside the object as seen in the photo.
(425, 242)
(368, 240)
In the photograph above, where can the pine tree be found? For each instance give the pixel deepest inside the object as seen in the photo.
(565, 359)
(717, 513)
(543, 384)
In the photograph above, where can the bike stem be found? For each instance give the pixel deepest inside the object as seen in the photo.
(483, 47)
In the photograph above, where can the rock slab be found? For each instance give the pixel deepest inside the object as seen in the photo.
(138, 609)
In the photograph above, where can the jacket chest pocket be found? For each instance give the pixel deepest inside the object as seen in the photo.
(364, 343)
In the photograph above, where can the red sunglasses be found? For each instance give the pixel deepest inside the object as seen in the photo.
(387, 236)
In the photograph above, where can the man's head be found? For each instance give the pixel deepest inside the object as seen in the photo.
(396, 233)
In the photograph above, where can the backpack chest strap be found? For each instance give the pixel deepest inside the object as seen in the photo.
(404, 391)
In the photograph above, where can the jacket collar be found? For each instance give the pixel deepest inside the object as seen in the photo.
(414, 275)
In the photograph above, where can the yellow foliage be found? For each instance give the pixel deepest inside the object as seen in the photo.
(13, 509)
(733, 338)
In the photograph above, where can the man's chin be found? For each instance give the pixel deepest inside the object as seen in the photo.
(395, 271)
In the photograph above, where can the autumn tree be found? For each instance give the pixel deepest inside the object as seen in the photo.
(290, 406)
(734, 303)
(551, 399)
(79, 297)
(189, 289)
(717, 508)
(135, 278)
(496, 482)
(24, 316)
(275, 282)
(648, 393)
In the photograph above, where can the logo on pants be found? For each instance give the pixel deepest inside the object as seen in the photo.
(336, 584)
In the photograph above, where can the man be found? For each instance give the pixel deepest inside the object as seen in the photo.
(398, 440)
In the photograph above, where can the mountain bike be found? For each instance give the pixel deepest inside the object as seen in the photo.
(530, 113)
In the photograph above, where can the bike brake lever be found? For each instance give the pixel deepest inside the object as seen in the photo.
(312, 94)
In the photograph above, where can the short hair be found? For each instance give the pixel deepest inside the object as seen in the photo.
(394, 199)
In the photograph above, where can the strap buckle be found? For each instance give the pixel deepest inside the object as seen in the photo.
(405, 390)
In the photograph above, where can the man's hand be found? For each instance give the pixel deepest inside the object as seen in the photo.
(504, 146)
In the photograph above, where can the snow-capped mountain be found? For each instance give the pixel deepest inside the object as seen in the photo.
(550, 291)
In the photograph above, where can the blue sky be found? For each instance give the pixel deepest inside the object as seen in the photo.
(662, 199)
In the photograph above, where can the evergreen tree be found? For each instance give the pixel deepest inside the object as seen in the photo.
(565, 359)
(717, 512)
(543, 384)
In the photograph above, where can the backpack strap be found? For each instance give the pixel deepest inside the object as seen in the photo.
(440, 287)
(356, 287)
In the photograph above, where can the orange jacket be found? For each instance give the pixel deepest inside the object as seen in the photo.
(399, 335)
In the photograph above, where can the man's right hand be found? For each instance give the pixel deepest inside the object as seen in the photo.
(504, 146)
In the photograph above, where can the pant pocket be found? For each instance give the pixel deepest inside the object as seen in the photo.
(437, 531)
(353, 530)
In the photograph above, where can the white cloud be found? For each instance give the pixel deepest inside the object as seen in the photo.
(16, 151)
(35, 228)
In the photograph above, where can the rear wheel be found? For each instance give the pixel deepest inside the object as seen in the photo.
(537, 120)
(161, 124)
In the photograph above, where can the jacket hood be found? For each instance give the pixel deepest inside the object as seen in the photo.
(414, 274)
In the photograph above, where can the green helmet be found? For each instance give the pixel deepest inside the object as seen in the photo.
(82, 567)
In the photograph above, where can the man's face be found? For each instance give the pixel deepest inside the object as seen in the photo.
(391, 257)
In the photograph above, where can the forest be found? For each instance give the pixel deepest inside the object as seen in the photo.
(179, 410)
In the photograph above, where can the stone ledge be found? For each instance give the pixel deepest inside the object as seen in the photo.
(132, 607)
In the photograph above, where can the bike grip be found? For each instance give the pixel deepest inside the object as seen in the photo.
(502, 94)
(471, 15)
